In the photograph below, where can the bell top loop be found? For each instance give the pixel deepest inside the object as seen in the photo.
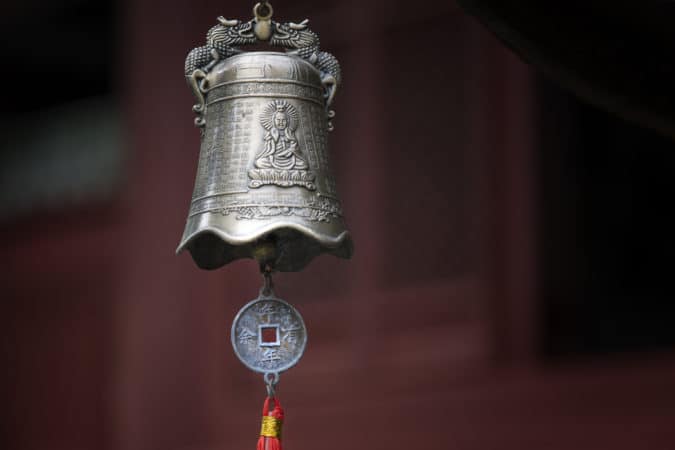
(263, 11)
(263, 25)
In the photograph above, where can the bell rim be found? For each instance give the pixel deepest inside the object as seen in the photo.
(328, 242)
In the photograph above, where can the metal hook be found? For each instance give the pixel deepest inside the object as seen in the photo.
(270, 383)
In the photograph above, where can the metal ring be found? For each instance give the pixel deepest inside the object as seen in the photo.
(270, 384)
(257, 7)
(275, 378)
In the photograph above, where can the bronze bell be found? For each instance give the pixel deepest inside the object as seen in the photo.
(264, 188)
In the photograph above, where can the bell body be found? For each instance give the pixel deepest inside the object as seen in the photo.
(264, 188)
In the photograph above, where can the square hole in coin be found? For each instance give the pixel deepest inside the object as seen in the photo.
(268, 335)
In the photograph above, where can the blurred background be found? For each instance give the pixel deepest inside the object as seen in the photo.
(506, 171)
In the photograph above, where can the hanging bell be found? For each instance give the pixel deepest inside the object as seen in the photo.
(264, 188)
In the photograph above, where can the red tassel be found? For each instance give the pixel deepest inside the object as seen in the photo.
(270, 431)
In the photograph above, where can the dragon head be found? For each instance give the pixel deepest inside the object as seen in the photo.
(294, 35)
(231, 32)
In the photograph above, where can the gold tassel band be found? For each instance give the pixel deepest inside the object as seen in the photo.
(271, 427)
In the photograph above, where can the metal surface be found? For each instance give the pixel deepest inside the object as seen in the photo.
(270, 358)
(263, 177)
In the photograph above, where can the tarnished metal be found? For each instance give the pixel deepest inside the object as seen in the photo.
(264, 187)
(269, 336)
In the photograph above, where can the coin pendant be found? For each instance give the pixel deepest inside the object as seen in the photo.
(269, 335)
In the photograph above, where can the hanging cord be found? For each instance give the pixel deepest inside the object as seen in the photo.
(272, 421)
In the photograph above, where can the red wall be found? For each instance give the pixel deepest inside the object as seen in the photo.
(426, 338)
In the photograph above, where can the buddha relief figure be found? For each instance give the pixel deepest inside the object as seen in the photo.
(281, 161)
(281, 147)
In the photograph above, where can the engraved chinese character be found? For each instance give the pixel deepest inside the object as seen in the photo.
(245, 336)
(267, 308)
(291, 334)
(270, 355)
